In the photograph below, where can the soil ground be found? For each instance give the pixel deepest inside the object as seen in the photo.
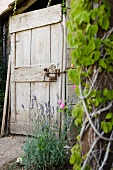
(11, 148)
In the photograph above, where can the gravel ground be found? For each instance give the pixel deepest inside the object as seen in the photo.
(11, 148)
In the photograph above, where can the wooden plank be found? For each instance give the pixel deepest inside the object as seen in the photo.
(64, 58)
(13, 87)
(23, 54)
(40, 52)
(21, 128)
(56, 56)
(23, 43)
(35, 19)
(25, 5)
(40, 48)
(40, 92)
(6, 97)
(22, 102)
(68, 57)
(31, 73)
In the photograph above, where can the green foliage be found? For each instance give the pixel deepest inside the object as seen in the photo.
(77, 113)
(76, 158)
(107, 124)
(91, 54)
(64, 8)
(45, 150)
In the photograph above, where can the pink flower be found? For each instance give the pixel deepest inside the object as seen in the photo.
(60, 102)
(74, 87)
(62, 106)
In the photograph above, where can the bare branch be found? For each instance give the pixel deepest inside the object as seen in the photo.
(90, 121)
(107, 153)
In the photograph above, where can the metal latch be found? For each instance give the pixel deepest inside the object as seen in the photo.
(53, 73)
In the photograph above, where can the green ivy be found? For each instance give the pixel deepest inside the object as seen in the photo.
(89, 51)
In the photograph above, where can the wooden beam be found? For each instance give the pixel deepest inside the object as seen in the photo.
(25, 5)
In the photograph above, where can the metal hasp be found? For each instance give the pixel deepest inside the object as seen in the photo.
(53, 73)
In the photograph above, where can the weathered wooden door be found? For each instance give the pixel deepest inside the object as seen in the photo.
(37, 47)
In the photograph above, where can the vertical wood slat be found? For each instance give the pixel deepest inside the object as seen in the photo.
(23, 43)
(57, 57)
(13, 85)
(63, 68)
(40, 54)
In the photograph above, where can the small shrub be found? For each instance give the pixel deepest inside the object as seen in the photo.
(46, 150)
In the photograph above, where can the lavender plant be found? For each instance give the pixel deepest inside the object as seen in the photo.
(46, 150)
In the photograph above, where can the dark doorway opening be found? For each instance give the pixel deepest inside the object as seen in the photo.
(42, 4)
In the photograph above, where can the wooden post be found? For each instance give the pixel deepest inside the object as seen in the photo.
(6, 97)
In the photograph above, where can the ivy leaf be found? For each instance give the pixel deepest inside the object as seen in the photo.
(74, 75)
(87, 167)
(77, 167)
(72, 160)
(109, 126)
(109, 52)
(96, 55)
(87, 61)
(87, 27)
(93, 30)
(97, 43)
(105, 23)
(82, 16)
(109, 115)
(77, 121)
(91, 45)
(110, 68)
(105, 92)
(96, 102)
(102, 63)
(94, 13)
(106, 126)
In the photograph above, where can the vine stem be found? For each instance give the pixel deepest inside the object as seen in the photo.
(101, 110)
(90, 121)
(90, 151)
(95, 78)
(107, 153)
(107, 34)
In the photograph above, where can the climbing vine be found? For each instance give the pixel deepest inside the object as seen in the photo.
(90, 36)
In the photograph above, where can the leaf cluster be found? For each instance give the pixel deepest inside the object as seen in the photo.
(83, 27)
(91, 54)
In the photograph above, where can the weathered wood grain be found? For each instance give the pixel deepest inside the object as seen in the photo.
(13, 86)
(35, 19)
(22, 92)
(39, 43)
(34, 73)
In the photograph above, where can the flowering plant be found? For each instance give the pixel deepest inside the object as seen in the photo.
(47, 149)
